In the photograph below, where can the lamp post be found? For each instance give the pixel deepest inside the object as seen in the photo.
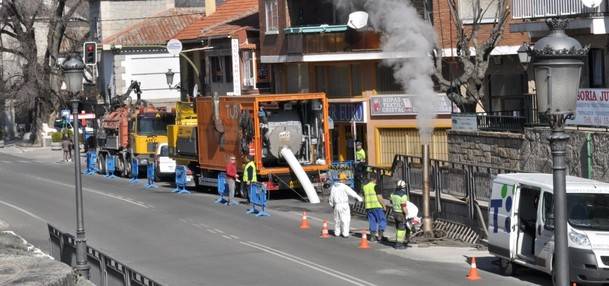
(557, 63)
(73, 75)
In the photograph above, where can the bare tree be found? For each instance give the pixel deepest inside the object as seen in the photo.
(473, 54)
(35, 84)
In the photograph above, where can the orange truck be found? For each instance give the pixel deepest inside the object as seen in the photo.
(286, 134)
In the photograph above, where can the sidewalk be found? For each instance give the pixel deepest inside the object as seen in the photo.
(20, 261)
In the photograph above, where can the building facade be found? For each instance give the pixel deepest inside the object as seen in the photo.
(309, 48)
(220, 50)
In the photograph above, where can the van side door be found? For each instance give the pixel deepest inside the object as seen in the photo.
(502, 224)
(544, 242)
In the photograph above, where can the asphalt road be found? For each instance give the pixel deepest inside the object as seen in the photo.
(189, 240)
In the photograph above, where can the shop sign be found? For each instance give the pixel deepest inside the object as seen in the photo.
(383, 105)
(464, 121)
(348, 112)
(592, 108)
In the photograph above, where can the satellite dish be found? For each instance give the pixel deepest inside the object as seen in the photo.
(592, 4)
(358, 20)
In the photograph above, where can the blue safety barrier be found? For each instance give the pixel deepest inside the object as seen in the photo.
(91, 168)
(181, 180)
(150, 177)
(135, 171)
(222, 189)
(110, 166)
(258, 198)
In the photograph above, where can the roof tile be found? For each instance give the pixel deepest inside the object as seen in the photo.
(156, 30)
(229, 11)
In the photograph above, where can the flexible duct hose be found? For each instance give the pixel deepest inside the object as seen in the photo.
(301, 175)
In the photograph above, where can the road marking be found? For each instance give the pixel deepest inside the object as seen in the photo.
(234, 236)
(124, 199)
(226, 236)
(22, 210)
(211, 231)
(219, 231)
(307, 263)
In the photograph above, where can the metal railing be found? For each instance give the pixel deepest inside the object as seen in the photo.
(531, 9)
(104, 270)
(497, 121)
(471, 184)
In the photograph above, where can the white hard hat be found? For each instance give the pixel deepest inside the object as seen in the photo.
(401, 184)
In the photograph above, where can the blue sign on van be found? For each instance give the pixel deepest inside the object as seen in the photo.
(506, 202)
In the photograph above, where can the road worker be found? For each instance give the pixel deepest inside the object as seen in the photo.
(399, 201)
(231, 177)
(339, 200)
(249, 176)
(375, 209)
(359, 165)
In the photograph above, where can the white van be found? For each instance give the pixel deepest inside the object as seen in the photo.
(521, 225)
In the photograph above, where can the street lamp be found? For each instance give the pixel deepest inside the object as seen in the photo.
(73, 75)
(557, 64)
(524, 55)
(169, 76)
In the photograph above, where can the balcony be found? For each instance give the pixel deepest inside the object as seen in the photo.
(330, 39)
(535, 9)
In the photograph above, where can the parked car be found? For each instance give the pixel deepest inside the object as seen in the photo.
(165, 167)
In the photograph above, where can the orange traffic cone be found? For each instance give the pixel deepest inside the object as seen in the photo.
(363, 243)
(473, 271)
(304, 222)
(324, 229)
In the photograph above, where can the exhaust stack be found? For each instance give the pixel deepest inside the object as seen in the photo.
(427, 221)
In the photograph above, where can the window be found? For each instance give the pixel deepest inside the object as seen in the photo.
(488, 7)
(271, 14)
(596, 62)
(228, 68)
(548, 209)
(385, 81)
(248, 68)
(217, 75)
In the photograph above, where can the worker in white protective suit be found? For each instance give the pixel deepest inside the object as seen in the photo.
(339, 200)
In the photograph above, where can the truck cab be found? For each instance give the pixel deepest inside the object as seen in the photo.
(521, 225)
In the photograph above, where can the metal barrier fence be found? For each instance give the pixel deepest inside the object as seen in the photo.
(469, 183)
(104, 270)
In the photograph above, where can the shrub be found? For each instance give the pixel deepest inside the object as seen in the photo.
(56, 137)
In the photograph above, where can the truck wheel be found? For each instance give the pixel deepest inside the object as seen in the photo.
(506, 267)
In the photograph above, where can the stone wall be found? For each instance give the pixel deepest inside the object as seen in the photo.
(496, 149)
(531, 151)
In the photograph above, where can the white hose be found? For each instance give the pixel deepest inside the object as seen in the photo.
(301, 175)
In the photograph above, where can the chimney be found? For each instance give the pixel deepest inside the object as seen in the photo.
(210, 7)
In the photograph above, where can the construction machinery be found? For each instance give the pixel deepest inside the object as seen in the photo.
(182, 139)
(131, 130)
(286, 134)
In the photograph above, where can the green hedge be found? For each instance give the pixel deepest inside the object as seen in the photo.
(58, 136)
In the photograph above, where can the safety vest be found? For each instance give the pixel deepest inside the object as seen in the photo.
(246, 177)
(360, 155)
(397, 200)
(371, 201)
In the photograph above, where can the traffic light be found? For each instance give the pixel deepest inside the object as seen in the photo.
(89, 52)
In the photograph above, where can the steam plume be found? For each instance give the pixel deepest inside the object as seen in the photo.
(405, 31)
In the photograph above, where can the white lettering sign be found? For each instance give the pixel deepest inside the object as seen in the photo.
(236, 67)
(592, 108)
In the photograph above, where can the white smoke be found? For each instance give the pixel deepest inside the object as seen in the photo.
(405, 31)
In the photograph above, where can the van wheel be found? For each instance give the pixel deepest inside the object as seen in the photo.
(506, 267)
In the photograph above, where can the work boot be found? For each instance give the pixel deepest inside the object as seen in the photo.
(372, 237)
(380, 237)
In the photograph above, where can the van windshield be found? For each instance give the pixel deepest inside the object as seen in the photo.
(589, 211)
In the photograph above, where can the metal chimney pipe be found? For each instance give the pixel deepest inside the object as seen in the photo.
(427, 221)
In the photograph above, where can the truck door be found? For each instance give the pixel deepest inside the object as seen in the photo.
(504, 198)
(544, 243)
(513, 220)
